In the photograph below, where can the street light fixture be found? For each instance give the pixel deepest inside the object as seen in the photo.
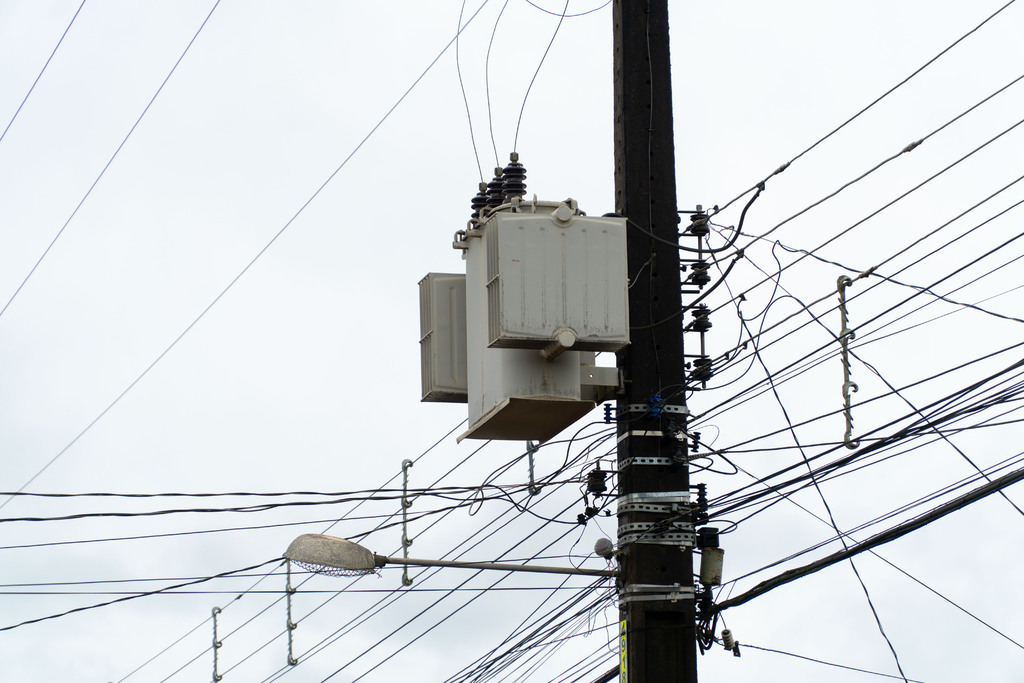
(339, 557)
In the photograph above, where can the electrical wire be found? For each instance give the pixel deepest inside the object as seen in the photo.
(255, 258)
(106, 166)
(891, 534)
(561, 18)
(878, 99)
(40, 75)
(465, 99)
(821, 661)
(138, 595)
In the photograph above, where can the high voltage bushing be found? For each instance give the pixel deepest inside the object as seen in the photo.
(479, 201)
(494, 189)
(514, 176)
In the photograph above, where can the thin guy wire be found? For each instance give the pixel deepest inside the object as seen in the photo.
(465, 99)
(831, 518)
(879, 98)
(251, 262)
(41, 72)
(515, 141)
(487, 83)
(106, 166)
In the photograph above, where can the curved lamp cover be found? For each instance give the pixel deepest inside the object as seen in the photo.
(330, 555)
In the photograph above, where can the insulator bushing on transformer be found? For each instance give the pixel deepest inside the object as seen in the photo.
(514, 177)
(701, 321)
(494, 189)
(479, 201)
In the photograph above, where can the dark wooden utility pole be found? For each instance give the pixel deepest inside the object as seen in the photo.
(656, 572)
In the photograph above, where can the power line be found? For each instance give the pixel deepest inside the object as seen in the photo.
(36, 81)
(878, 99)
(875, 541)
(139, 595)
(255, 258)
(103, 171)
(821, 661)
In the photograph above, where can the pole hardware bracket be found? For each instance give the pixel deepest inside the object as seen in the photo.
(657, 533)
(667, 508)
(217, 645)
(406, 504)
(649, 592)
(645, 408)
(531, 448)
(656, 497)
(290, 625)
(647, 461)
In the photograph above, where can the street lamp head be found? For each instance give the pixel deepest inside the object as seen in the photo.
(331, 556)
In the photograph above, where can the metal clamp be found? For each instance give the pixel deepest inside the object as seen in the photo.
(652, 507)
(645, 408)
(648, 592)
(675, 533)
(631, 462)
(659, 497)
(677, 527)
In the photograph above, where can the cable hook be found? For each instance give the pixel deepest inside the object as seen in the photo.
(217, 644)
(531, 448)
(289, 590)
(406, 504)
(849, 386)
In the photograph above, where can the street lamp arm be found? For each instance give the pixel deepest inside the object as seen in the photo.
(338, 556)
(381, 560)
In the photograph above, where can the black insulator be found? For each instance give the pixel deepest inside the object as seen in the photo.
(707, 537)
(699, 225)
(701, 371)
(479, 201)
(699, 273)
(514, 177)
(701, 321)
(494, 197)
(595, 482)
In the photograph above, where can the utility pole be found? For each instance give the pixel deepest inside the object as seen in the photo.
(656, 594)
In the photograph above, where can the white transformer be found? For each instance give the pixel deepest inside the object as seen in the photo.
(545, 287)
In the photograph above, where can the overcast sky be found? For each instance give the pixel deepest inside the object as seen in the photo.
(228, 303)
